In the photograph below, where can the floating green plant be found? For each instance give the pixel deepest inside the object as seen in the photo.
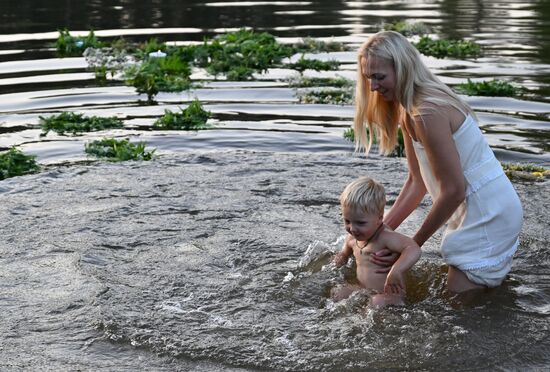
(239, 73)
(168, 74)
(73, 46)
(71, 122)
(118, 150)
(407, 28)
(307, 82)
(328, 96)
(525, 172)
(447, 48)
(15, 163)
(399, 150)
(239, 54)
(309, 44)
(493, 88)
(236, 55)
(151, 45)
(349, 134)
(313, 64)
(193, 117)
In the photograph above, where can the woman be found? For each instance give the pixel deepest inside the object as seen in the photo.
(447, 156)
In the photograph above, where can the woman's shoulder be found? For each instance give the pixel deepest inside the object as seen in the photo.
(427, 109)
(430, 113)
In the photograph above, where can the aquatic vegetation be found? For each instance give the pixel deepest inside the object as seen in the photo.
(118, 150)
(15, 163)
(525, 172)
(349, 134)
(407, 28)
(71, 122)
(299, 81)
(193, 117)
(328, 96)
(73, 46)
(399, 150)
(168, 74)
(236, 55)
(493, 88)
(313, 64)
(309, 44)
(239, 73)
(339, 91)
(151, 45)
(447, 48)
(240, 54)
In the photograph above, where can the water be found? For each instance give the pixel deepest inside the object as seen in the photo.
(215, 256)
(221, 261)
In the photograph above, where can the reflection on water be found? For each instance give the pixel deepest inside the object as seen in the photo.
(522, 23)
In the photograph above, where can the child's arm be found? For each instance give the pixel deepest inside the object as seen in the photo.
(410, 253)
(342, 257)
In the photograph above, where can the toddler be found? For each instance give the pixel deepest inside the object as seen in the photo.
(362, 203)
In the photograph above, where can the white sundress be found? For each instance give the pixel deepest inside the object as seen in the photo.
(483, 232)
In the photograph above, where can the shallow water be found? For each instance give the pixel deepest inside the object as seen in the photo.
(218, 261)
(215, 256)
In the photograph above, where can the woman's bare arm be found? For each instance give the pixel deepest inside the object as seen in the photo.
(434, 131)
(409, 197)
(409, 255)
(411, 193)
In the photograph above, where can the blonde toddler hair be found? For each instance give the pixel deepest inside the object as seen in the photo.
(365, 194)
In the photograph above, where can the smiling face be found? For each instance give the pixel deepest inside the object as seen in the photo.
(359, 223)
(380, 74)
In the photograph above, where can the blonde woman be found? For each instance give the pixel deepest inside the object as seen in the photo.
(447, 156)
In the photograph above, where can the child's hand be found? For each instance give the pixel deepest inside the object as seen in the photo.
(340, 259)
(395, 283)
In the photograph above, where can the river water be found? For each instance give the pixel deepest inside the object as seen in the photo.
(215, 256)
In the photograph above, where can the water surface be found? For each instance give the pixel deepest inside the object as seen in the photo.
(215, 256)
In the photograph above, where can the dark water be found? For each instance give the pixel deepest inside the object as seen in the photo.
(215, 255)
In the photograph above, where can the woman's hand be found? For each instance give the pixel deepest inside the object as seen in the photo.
(384, 258)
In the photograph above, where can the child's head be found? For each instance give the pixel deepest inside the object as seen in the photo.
(364, 194)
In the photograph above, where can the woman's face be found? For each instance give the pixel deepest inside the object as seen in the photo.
(380, 75)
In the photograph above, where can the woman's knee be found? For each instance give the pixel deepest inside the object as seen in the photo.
(458, 282)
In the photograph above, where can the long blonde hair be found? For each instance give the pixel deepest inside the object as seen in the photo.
(415, 85)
